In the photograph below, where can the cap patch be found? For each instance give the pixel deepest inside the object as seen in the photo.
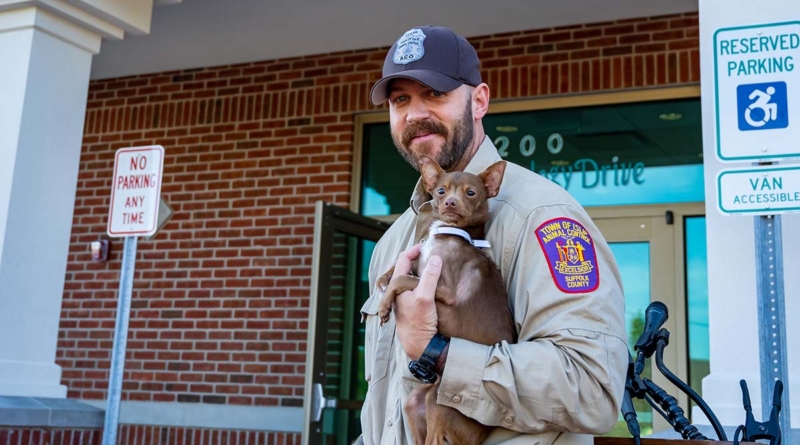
(570, 254)
(409, 47)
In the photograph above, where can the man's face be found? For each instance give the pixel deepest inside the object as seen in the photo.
(431, 123)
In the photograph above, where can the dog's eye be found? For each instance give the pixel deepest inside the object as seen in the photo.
(470, 193)
(440, 191)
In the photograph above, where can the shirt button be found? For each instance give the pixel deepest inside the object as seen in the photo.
(390, 423)
(456, 399)
(508, 420)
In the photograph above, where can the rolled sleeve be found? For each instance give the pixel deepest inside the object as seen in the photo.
(462, 378)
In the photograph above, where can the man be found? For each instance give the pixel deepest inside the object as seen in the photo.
(564, 379)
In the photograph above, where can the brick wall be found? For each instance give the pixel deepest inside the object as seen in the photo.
(221, 295)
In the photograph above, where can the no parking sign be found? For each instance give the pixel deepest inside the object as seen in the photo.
(136, 191)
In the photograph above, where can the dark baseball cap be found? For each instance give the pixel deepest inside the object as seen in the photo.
(433, 56)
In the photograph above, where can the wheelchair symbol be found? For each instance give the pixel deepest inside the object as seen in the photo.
(762, 106)
(762, 99)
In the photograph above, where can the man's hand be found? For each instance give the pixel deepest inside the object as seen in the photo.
(415, 310)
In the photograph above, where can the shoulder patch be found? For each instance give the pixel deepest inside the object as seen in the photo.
(570, 254)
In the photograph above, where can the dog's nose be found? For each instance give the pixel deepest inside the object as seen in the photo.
(450, 202)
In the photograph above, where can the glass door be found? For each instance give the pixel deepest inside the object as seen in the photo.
(644, 249)
(335, 383)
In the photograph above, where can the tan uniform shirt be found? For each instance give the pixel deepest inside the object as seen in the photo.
(565, 377)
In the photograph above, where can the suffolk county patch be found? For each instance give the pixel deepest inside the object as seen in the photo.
(410, 47)
(570, 254)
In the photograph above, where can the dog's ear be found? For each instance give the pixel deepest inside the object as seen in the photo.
(492, 177)
(430, 171)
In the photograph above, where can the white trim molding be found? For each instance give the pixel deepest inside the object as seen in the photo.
(208, 415)
(51, 24)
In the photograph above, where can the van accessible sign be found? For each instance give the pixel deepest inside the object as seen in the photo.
(756, 88)
(136, 191)
(759, 191)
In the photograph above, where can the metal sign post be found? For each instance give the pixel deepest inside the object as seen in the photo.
(120, 342)
(771, 318)
(135, 198)
(754, 90)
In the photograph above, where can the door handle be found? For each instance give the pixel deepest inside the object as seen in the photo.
(319, 402)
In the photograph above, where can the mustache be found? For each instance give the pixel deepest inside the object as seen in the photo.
(423, 127)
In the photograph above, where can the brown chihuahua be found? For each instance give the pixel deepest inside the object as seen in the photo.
(471, 300)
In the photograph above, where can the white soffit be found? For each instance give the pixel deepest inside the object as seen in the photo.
(203, 33)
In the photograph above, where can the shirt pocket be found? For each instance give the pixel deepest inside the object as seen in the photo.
(377, 340)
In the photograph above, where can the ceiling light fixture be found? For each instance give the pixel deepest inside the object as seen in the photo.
(506, 128)
(670, 116)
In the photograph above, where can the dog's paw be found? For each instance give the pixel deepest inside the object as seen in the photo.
(384, 314)
(383, 282)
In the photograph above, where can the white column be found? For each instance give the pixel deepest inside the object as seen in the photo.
(733, 323)
(46, 50)
(44, 81)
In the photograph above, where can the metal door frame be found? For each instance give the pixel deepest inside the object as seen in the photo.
(328, 219)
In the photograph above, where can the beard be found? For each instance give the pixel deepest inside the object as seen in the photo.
(456, 140)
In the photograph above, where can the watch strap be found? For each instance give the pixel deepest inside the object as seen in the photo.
(432, 352)
(427, 362)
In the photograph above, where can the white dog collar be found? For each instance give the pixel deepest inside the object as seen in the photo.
(458, 232)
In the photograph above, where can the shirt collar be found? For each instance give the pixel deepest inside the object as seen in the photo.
(484, 157)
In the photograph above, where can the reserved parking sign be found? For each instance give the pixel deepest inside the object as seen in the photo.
(756, 90)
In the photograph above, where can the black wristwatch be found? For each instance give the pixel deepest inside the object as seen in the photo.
(425, 368)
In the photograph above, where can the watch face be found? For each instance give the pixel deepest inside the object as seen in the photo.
(419, 371)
